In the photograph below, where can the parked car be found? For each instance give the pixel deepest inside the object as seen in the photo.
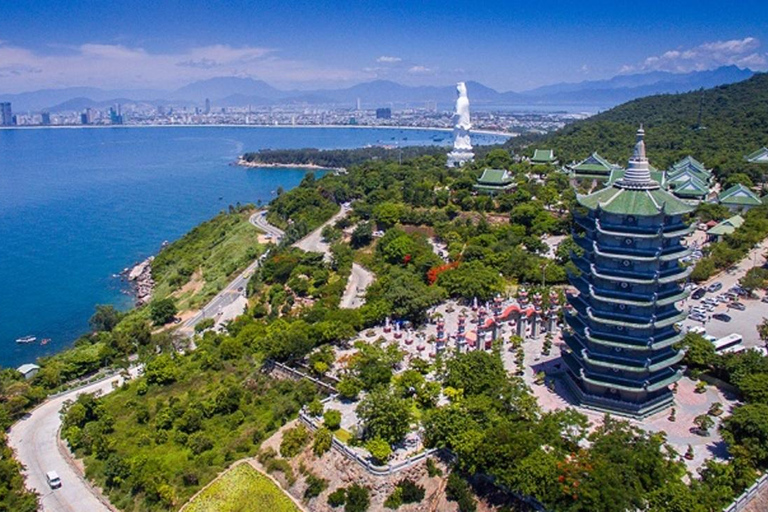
(764, 299)
(714, 287)
(699, 293)
(697, 318)
(53, 479)
(722, 317)
(737, 305)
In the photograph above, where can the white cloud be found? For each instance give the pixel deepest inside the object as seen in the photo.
(389, 60)
(420, 70)
(739, 52)
(119, 66)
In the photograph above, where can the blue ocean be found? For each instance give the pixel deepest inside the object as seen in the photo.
(78, 206)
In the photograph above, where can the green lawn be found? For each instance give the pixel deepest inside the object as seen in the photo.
(242, 489)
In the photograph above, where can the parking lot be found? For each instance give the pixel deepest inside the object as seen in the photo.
(742, 322)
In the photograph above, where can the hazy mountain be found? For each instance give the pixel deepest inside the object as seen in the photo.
(46, 98)
(241, 92)
(222, 87)
(627, 87)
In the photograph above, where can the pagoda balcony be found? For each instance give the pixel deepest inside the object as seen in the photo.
(631, 299)
(620, 231)
(617, 406)
(657, 382)
(616, 275)
(678, 230)
(623, 229)
(624, 342)
(634, 321)
(616, 362)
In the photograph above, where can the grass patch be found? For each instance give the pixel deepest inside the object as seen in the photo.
(198, 266)
(242, 489)
(343, 435)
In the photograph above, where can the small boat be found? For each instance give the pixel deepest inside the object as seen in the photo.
(45, 341)
(26, 339)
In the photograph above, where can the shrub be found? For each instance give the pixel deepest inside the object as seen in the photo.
(294, 440)
(199, 442)
(380, 449)
(315, 408)
(332, 419)
(358, 499)
(338, 497)
(432, 469)
(458, 490)
(322, 442)
(315, 485)
(406, 491)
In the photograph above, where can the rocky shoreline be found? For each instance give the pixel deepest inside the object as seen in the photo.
(241, 162)
(140, 276)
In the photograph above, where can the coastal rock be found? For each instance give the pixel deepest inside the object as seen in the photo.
(141, 277)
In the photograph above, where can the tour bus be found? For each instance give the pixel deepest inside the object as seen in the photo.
(730, 343)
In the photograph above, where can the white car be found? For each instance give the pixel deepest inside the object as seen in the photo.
(53, 479)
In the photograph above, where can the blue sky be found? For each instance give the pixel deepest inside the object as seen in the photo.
(507, 45)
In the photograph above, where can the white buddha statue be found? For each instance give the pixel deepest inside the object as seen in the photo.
(462, 145)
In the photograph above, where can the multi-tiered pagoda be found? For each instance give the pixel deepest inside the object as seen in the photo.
(622, 322)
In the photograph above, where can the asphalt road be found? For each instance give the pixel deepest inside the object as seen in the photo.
(313, 242)
(359, 280)
(259, 219)
(34, 439)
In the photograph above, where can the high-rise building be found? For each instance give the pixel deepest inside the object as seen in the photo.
(621, 356)
(207, 107)
(45, 118)
(384, 113)
(6, 114)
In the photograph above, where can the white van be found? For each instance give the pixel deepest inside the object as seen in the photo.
(53, 479)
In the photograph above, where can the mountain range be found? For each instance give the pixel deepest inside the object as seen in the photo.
(235, 91)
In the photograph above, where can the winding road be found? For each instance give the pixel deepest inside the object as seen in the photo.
(35, 438)
(35, 441)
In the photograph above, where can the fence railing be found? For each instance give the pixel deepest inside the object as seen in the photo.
(368, 465)
(292, 373)
(742, 501)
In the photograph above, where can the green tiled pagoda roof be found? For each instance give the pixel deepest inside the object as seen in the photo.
(495, 177)
(543, 155)
(593, 164)
(739, 195)
(689, 163)
(690, 186)
(644, 202)
(686, 172)
(727, 226)
(759, 156)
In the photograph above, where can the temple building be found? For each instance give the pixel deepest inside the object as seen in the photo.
(593, 167)
(543, 157)
(494, 181)
(739, 198)
(621, 324)
(758, 157)
(689, 179)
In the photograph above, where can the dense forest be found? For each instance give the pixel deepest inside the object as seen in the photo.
(734, 123)
(339, 158)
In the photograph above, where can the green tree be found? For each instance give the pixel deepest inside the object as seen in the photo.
(162, 311)
(476, 372)
(362, 235)
(379, 449)
(105, 318)
(322, 441)
(332, 419)
(385, 415)
(747, 427)
(358, 499)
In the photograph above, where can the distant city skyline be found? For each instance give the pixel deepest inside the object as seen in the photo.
(306, 45)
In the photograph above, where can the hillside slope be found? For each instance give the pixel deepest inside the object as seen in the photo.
(734, 122)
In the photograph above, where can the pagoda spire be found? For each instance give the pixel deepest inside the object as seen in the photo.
(638, 173)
